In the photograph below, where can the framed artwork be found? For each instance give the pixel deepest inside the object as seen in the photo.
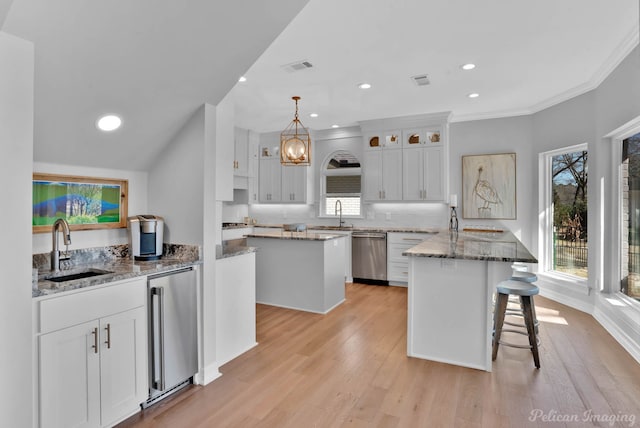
(85, 202)
(489, 186)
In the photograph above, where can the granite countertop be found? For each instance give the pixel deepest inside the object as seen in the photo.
(296, 236)
(493, 246)
(399, 229)
(224, 251)
(113, 260)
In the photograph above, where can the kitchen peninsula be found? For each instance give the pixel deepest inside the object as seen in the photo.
(299, 270)
(452, 278)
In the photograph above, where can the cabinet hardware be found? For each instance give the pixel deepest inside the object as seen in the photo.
(157, 338)
(108, 342)
(412, 239)
(384, 195)
(95, 340)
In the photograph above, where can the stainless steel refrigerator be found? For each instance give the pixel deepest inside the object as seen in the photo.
(173, 343)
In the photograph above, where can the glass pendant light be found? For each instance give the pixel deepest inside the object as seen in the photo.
(295, 142)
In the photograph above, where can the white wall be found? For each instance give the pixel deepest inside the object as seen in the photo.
(16, 144)
(176, 184)
(137, 204)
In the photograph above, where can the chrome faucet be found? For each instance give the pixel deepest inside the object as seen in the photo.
(338, 204)
(55, 253)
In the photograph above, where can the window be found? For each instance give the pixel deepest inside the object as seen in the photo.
(564, 198)
(630, 217)
(341, 181)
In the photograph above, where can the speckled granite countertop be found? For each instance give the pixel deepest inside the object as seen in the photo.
(494, 246)
(399, 229)
(224, 251)
(296, 236)
(114, 260)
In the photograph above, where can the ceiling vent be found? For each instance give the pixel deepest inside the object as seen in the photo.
(297, 66)
(421, 80)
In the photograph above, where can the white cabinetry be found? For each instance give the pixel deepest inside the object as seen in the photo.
(270, 180)
(241, 152)
(383, 175)
(422, 174)
(224, 141)
(92, 355)
(277, 183)
(235, 306)
(406, 158)
(397, 264)
(348, 276)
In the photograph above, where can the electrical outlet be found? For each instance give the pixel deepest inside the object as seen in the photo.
(387, 216)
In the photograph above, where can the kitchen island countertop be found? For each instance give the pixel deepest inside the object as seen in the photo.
(490, 246)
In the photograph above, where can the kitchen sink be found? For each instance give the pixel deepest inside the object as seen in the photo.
(88, 273)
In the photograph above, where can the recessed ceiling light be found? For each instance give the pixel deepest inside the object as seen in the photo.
(313, 115)
(468, 66)
(242, 79)
(335, 126)
(364, 86)
(474, 95)
(109, 122)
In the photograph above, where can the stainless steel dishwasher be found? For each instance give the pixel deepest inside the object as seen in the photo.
(173, 343)
(369, 257)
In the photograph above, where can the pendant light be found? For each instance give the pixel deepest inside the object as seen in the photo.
(295, 142)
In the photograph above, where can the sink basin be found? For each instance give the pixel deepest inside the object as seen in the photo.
(88, 273)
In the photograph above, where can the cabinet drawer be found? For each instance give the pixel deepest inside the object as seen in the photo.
(398, 271)
(395, 251)
(406, 238)
(68, 310)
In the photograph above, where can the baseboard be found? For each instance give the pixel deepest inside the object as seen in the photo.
(302, 309)
(630, 345)
(207, 375)
(566, 300)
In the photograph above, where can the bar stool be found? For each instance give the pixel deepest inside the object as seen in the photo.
(523, 276)
(524, 291)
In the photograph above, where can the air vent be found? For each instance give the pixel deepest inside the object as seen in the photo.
(297, 66)
(421, 80)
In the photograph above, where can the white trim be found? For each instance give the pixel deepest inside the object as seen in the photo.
(545, 219)
(615, 58)
(301, 309)
(207, 375)
(605, 312)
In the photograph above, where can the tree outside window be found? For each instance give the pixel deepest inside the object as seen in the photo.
(569, 192)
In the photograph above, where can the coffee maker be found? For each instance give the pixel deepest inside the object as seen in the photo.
(145, 236)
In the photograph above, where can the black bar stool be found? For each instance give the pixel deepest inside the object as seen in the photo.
(525, 291)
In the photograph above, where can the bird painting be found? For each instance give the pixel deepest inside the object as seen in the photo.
(485, 191)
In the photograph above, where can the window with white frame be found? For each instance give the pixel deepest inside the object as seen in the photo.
(341, 185)
(563, 233)
(630, 217)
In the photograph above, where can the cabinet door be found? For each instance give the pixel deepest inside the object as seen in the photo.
(270, 180)
(123, 364)
(392, 175)
(294, 184)
(241, 152)
(372, 175)
(413, 175)
(70, 377)
(434, 174)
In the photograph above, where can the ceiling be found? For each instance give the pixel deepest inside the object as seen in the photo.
(155, 62)
(529, 56)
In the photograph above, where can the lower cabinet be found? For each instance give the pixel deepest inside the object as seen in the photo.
(92, 374)
(397, 264)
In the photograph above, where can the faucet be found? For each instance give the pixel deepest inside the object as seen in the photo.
(338, 204)
(55, 253)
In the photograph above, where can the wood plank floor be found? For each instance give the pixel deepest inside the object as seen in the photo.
(349, 368)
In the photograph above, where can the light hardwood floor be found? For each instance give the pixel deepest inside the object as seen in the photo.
(349, 368)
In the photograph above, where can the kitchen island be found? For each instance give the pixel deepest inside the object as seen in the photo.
(452, 278)
(299, 270)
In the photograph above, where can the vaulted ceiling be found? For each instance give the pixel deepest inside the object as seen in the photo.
(155, 62)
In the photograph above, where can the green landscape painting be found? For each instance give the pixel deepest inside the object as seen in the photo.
(79, 203)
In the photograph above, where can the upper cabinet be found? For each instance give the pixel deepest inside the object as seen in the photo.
(278, 183)
(406, 158)
(416, 137)
(241, 152)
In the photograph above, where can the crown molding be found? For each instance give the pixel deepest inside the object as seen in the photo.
(616, 57)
